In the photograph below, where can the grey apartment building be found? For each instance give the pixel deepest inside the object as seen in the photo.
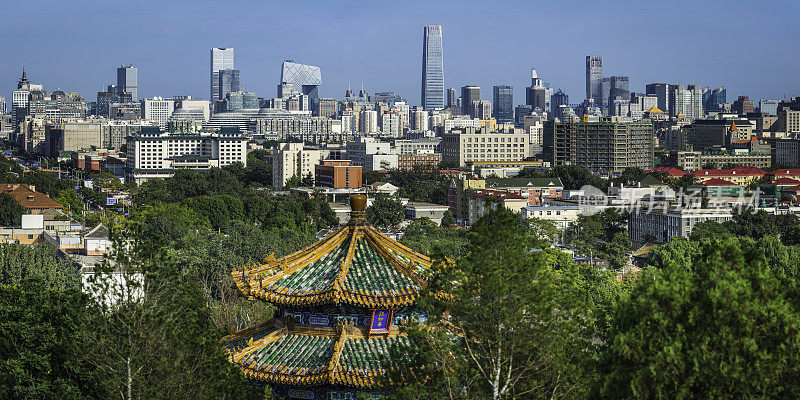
(606, 147)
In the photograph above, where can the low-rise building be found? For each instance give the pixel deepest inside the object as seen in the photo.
(660, 225)
(562, 216)
(337, 174)
(741, 176)
(693, 160)
(157, 154)
(482, 201)
(434, 212)
(535, 190)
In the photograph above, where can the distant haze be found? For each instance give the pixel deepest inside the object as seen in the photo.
(750, 47)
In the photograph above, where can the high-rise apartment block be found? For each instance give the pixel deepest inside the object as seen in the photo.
(128, 81)
(432, 68)
(291, 159)
(503, 98)
(594, 77)
(743, 105)
(606, 147)
(686, 101)
(221, 59)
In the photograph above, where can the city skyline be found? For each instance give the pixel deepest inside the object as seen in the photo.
(176, 64)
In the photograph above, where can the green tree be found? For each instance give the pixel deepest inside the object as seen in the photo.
(71, 201)
(161, 224)
(425, 237)
(152, 332)
(385, 212)
(713, 324)
(292, 182)
(516, 315)
(42, 343)
(447, 219)
(10, 211)
(19, 262)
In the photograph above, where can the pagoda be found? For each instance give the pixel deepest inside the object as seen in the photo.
(339, 303)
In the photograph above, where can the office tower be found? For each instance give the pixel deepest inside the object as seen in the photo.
(619, 89)
(469, 95)
(713, 100)
(157, 110)
(249, 100)
(536, 93)
(605, 147)
(228, 82)
(522, 111)
(452, 97)
(482, 109)
(594, 75)
(559, 99)
(743, 105)
(104, 101)
(20, 99)
(233, 101)
(503, 99)
(299, 79)
(127, 80)
(432, 68)
(221, 58)
(662, 92)
(3, 105)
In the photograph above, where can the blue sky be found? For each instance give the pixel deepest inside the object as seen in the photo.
(752, 48)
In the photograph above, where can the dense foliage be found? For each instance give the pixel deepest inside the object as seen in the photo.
(21, 262)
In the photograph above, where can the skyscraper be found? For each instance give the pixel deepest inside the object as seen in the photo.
(452, 97)
(228, 82)
(594, 75)
(714, 99)
(662, 92)
(300, 79)
(127, 80)
(559, 99)
(503, 98)
(432, 68)
(221, 58)
(536, 93)
(469, 95)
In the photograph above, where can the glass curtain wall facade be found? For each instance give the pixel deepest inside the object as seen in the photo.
(127, 81)
(432, 68)
(221, 59)
(503, 98)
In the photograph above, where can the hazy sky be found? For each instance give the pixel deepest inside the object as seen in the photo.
(751, 47)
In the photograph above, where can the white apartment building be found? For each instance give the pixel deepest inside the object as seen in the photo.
(157, 154)
(368, 122)
(461, 122)
(562, 216)
(391, 125)
(198, 104)
(660, 225)
(291, 159)
(372, 155)
(417, 146)
(471, 145)
(158, 110)
(419, 120)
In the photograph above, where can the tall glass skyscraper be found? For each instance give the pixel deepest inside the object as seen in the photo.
(503, 98)
(594, 78)
(228, 82)
(300, 79)
(432, 68)
(221, 58)
(127, 80)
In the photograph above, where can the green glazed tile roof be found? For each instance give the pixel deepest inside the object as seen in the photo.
(370, 354)
(370, 271)
(373, 272)
(292, 354)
